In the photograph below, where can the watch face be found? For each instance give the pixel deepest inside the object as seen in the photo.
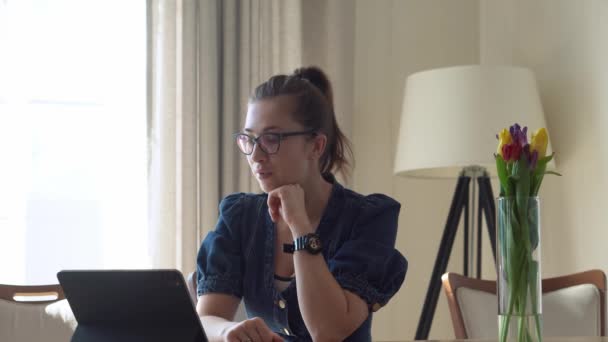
(314, 244)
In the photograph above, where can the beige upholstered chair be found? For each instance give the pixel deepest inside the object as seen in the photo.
(191, 282)
(26, 314)
(573, 305)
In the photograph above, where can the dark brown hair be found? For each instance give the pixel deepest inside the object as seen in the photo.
(311, 92)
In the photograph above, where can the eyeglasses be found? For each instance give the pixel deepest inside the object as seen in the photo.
(268, 142)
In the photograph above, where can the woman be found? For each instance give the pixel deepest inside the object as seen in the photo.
(305, 232)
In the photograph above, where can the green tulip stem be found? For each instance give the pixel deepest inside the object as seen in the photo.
(521, 271)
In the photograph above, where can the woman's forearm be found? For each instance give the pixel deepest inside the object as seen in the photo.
(215, 327)
(326, 308)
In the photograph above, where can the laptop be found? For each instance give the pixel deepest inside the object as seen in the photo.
(131, 305)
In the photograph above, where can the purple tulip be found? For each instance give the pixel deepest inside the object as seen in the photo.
(533, 159)
(519, 136)
(531, 156)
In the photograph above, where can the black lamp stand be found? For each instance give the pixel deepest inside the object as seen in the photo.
(460, 203)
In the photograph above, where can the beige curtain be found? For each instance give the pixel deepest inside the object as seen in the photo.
(205, 57)
(172, 134)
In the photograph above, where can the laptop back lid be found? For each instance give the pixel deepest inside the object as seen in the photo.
(131, 305)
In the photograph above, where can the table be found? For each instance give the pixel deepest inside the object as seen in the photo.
(545, 339)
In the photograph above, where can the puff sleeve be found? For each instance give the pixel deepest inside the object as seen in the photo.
(219, 262)
(368, 263)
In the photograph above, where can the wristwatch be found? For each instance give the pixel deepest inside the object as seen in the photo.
(309, 242)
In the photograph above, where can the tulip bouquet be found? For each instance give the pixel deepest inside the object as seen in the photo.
(521, 166)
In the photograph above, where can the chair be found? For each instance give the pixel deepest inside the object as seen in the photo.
(191, 282)
(573, 305)
(25, 316)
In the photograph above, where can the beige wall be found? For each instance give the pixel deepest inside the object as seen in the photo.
(564, 43)
(392, 40)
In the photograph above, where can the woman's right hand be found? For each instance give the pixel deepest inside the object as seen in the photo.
(251, 330)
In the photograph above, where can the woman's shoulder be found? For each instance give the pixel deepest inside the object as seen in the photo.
(240, 202)
(374, 217)
(238, 208)
(241, 199)
(372, 202)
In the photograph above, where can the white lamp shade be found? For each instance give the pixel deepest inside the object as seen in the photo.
(451, 116)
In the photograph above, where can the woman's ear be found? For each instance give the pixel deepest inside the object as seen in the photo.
(319, 145)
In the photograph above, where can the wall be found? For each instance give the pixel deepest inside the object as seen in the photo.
(392, 40)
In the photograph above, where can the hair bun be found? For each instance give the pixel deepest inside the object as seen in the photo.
(318, 78)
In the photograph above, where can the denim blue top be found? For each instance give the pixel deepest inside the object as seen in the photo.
(358, 235)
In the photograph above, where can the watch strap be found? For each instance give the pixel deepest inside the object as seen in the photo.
(300, 243)
(288, 248)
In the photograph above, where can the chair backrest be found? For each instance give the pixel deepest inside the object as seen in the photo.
(35, 294)
(573, 305)
(191, 282)
(24, 316)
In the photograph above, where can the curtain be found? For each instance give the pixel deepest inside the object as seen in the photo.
(204, 59)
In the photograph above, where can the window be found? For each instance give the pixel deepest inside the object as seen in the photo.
(73, 179)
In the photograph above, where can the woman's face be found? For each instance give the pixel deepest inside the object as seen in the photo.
(296, 156)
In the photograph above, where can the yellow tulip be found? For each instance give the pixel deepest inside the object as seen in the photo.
(504, 138)
(539, 142)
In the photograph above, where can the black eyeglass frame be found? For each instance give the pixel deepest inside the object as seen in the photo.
(280, 136)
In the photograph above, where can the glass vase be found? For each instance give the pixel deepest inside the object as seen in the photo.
(519, 273)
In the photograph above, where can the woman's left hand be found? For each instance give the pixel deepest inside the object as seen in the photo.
(287, 203)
